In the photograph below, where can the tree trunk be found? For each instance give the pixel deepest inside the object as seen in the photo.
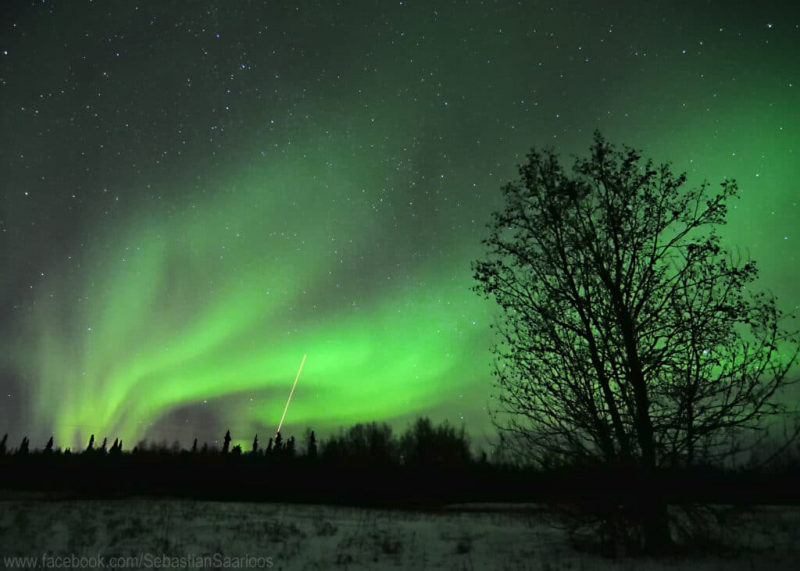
(654, 514)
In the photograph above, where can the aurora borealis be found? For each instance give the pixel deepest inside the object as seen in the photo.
(196, 195)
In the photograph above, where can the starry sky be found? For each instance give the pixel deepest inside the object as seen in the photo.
(195, 195)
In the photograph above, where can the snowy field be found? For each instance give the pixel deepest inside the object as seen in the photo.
(191, 534)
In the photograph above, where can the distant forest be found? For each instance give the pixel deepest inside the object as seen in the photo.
(368, 464)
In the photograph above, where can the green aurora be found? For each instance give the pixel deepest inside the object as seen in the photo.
(227, 301)
(173, 249)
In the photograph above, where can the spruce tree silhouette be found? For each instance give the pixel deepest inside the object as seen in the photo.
(48, 448)
(194, 446)
(3, 444)
(227, 442)
(278, 442)
(290, 447)
(311, 446)
(255, 445)
(269, 446)
(237, 450)
(103, 447)
(90, 447)
(24, 445)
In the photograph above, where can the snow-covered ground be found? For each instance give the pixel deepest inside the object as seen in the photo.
(145, 533)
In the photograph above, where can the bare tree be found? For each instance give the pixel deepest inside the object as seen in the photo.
(629, 336)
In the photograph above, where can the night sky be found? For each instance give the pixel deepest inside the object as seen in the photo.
(196, 194)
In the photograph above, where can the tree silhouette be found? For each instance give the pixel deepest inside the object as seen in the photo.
(363, 444)
(311, 445)
(255, 445)
(237, 450)
(278, 442)
(103, 447)
(48, 448)
(227, 442)
(290, 447)
(424, 444)
(3, 444)
(194, 446)
(90, 447)
(24, 446)
(628, 335)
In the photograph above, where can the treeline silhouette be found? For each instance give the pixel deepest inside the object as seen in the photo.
(368, 464)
